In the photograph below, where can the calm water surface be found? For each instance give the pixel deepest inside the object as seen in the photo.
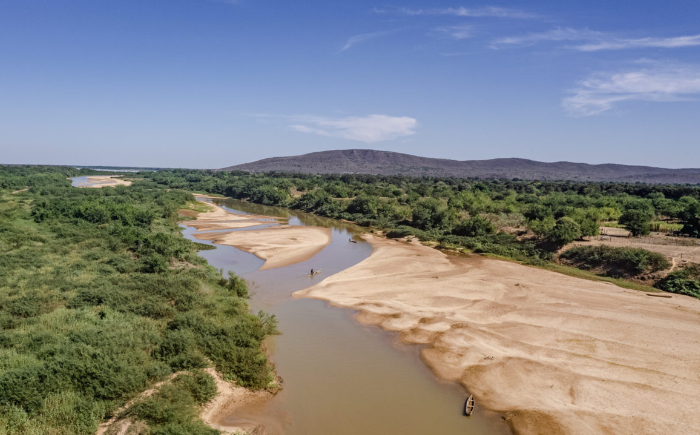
(340, 377)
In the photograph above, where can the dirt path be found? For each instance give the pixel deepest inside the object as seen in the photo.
(555, 354)
(123, 425)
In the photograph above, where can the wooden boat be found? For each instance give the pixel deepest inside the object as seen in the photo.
(660, 295)
(469, 406)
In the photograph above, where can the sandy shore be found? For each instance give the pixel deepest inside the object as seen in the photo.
(229, 398)
(554, 354)
(217, 218)
(106, 181)
(278, 246)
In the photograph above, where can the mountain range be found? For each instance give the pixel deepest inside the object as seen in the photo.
(364, 161)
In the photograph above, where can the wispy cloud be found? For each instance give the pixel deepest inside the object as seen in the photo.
(621, 44)
(363, 37)
(557, 34)
(591, 40)
(602, 91)
(487, 11)
(369, 129)
(454, 32)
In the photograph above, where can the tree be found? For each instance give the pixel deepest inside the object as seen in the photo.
(636, 221)
(565, 231)
(432, 213)
(542, 227)
(474, 227)
(690, 216)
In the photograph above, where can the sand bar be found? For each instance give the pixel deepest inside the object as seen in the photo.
(554, 354)
(217, 218)
(99, 181)
(278, 246)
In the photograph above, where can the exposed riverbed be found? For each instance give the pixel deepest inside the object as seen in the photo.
(340, 377)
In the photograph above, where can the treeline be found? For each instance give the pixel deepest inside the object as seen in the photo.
(441, 208)
(100, 297)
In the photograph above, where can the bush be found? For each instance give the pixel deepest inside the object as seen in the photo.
(685, 281)
(474, 227)
(620, 261)
(565, 231)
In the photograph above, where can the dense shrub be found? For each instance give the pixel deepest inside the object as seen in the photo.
(621, 261)
(90, 293)
(685, 281)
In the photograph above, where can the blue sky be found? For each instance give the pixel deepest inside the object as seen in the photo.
(211, 83)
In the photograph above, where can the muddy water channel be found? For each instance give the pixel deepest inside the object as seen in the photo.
(340, 377)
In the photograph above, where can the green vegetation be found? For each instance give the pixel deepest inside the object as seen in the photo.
(616, 261)
(101, 297)
(526, 221)
(636, 221)
(174, 408)
(441, 209)
(565, 231)
(685, 281)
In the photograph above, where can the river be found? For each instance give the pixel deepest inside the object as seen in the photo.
(340, 377)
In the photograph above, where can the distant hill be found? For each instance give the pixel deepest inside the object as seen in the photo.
(390, 163)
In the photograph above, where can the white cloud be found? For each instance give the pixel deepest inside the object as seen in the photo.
(601, 92)
(369, 129)
(363, 37)
(595, 41)
(488, 11)
(558, 34)
(455, 32)
(620, 44)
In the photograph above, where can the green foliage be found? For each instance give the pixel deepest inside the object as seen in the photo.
(565, 231)
(433, 214)
(428, 208)
(236, 285)
(474, 227)
(684, 281)
(636, 221)
(689, 214)
(94, 307)
(616, 261)
(174, 408)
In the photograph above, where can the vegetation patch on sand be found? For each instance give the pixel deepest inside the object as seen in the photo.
(614, 261)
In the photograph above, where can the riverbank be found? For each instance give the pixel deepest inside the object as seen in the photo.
(554, 354)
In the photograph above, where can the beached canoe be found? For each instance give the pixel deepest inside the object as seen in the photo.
(469, 406)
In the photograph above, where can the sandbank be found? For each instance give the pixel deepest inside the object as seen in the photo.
(278, 246)
(553, 353)
(217, 218)
(99, 181)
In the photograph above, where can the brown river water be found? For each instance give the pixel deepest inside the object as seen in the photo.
(339, 377)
